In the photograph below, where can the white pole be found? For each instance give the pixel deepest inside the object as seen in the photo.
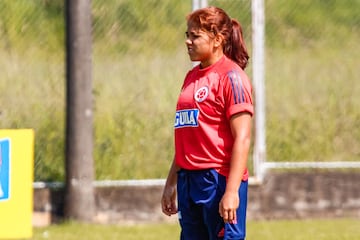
(258, 39)
(195, 4)
(204, 3)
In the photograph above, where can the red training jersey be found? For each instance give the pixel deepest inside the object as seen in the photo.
(208, 99)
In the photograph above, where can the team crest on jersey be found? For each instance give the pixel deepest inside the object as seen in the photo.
(201, 94)
(187, 118)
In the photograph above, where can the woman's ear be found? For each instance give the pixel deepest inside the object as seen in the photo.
(218, 40)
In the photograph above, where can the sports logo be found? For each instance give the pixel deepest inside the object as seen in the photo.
(4, 169)
(186, 118)
(201, 94)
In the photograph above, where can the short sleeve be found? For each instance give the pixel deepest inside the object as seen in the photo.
(237, 93)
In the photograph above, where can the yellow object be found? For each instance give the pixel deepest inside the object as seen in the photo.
(16, 179)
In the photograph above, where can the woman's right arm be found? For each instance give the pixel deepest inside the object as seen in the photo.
(168, 200)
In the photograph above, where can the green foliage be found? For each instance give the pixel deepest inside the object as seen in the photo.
(304, 23)
(314, 106)
(137, 137)
(124, 25)
(139, 62)
(25, 25)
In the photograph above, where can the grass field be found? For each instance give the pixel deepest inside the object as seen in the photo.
(319, 229)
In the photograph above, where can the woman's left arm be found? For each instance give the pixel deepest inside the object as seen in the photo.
(241, 130)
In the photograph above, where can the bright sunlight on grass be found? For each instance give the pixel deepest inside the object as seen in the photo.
(337, 229)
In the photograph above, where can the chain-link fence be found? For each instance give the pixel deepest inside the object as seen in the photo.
(312, 74)
(139, 61)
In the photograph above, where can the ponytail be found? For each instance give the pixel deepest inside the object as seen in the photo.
(235, 47)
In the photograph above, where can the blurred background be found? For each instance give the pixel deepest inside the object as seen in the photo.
(139, 62)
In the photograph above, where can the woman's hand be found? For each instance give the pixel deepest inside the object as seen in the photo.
(168, 200)
(228, 206)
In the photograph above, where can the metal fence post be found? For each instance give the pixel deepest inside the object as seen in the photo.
(258, 39)
(196, 4)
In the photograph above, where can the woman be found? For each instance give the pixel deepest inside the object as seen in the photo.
(208, 176)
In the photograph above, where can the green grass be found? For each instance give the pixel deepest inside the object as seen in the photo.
(312, 90)
(314, 96)
(317, 229)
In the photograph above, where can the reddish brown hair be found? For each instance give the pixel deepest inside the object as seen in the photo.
(216, 21)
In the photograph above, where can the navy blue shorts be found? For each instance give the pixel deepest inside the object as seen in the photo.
(199, 195)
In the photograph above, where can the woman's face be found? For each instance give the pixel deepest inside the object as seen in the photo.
(200, 45)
